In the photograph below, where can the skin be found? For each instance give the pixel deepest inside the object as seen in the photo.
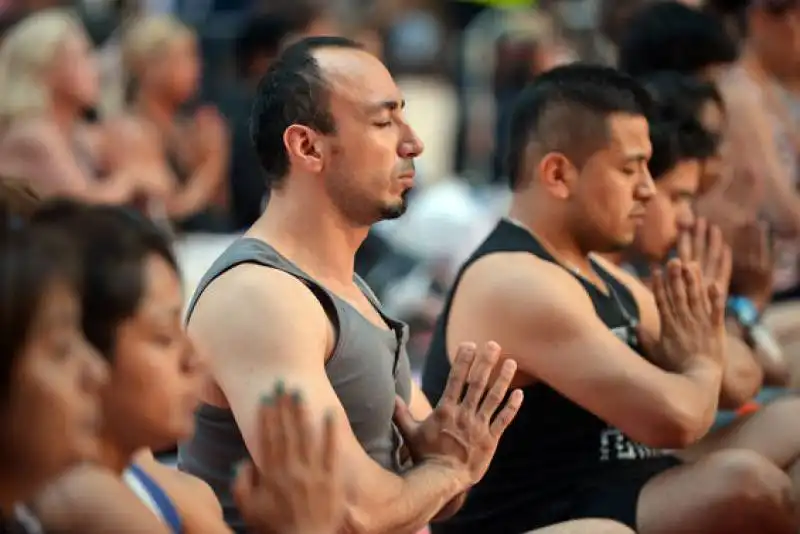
(533, 308)
(43, 148)
(348, 180)
(56, 383)
(154, 388)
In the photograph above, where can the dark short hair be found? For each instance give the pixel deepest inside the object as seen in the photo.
(668, 35)
(676, 132)
(293, 91)
(681, 94)
(566, 110)
(675, 141)
(115, 243)
(31, 261)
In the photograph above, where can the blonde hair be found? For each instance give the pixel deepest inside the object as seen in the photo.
(26, 54)
(147, 37)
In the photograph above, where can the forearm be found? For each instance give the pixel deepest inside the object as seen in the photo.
(741, 377)
(198, 191)
(414, 501)
(695, 398)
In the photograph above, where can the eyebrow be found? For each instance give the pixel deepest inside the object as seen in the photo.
(636, 157)
(386, 105)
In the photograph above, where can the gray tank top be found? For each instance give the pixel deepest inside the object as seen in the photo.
(367, 368)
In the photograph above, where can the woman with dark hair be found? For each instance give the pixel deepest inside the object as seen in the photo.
(49, 376)
(133, 304)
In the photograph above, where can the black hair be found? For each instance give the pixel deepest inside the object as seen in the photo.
(115, 243)
(681, 94)
(675, 141)
(676, 132)
(668, 35)
(32, 259)
(293, 91)
(566, 110)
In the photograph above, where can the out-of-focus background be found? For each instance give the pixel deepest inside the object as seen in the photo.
(459, 63)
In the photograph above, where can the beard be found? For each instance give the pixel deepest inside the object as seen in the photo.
(396, 209)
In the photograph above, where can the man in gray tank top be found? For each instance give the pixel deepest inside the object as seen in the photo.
(282, 307)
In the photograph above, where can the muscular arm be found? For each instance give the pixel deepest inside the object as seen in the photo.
(261, 326)
(543, 319)
(742, 375)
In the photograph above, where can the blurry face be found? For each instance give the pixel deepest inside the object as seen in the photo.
(367, 165)
(157, 376)
(670, 211)
(609, 197)
(776, 35)
(53, 414)
(74, 77)
(177, 72)
(712, 119)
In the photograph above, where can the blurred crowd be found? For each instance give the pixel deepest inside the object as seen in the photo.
(130, 121)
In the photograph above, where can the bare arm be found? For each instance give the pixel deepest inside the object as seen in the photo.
(38, 153)
(544, 320)
(92, 500)
(209, 173)
(743, 376)
(754, 151)
(262, 327)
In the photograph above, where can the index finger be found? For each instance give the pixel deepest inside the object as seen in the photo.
(685, 246)
(459, 373)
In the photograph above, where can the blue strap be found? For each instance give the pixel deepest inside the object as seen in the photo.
(161, 499)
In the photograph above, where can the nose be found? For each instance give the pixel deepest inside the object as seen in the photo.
(94, 373)
(646, 188)
(193, 359)
(685, 219)
(411, 146)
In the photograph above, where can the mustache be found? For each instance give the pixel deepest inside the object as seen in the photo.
(407, 165)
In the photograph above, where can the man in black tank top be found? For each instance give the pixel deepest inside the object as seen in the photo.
(282, 307)
(604, 402)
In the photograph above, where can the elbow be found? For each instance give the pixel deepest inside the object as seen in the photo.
(677, 426)
(741, 388)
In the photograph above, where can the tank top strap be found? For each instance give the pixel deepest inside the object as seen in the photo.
(153, 496)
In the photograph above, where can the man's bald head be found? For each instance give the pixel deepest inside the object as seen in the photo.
(295, 90)
(566, 110)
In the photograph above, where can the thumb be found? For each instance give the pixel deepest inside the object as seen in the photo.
(646, 340)
(403, 418)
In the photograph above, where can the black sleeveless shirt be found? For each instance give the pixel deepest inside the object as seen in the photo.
(555, 451)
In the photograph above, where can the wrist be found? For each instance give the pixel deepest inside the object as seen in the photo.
(450, 470)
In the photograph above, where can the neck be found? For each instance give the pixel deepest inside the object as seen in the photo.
(617, 258)
(157, 110)
(113, 455)
(551, 232)
(324, 244)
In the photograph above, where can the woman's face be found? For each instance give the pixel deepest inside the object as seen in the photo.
(53, 412)
(75, 76)
(157, 376)
(178, 69)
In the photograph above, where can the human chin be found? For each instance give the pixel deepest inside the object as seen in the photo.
(395, 209)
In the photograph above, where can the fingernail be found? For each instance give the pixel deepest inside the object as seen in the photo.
(328, 415)
(266, 400)
(237, 467)
(280, 388)
(297, 397)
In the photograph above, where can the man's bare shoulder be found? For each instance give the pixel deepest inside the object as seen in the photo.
(523, 279)
(256, 306)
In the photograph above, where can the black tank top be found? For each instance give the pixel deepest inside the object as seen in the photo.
(554, 451)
